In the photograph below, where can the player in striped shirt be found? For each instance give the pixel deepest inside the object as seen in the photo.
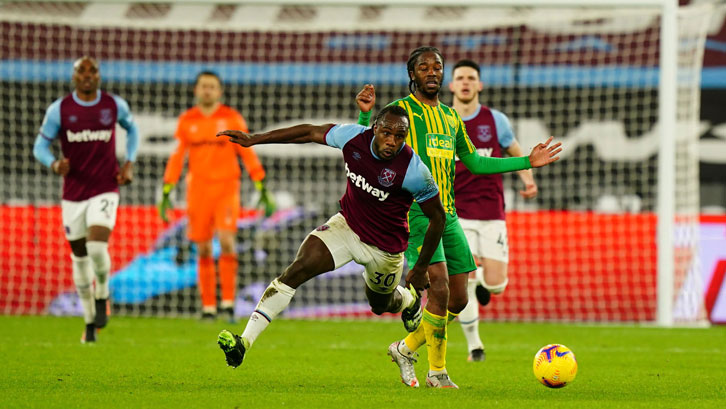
(437, 134)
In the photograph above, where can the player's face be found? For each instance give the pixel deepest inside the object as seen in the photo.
(208, 90)
(86, 75)
(389, 134)
(428, 73)
(465, 85)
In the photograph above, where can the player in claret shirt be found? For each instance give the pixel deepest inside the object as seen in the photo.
(384, 177)
(85, 123)
(437, 134)
(480, 198)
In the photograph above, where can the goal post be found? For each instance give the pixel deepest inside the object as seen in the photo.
(617, 81)
(666, 160)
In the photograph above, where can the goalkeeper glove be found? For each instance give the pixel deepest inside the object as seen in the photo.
(165, 203)
(266, 199)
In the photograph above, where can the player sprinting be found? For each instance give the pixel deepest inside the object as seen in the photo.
(437, 134)
(384, 177)
(480, 198)
(85, 123)
(213, 200)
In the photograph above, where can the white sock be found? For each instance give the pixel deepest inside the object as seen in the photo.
(98, 253)
(274, 300)
(406, 298)
(83, 278)
(469, 318)
(496, 289)
(226, 304)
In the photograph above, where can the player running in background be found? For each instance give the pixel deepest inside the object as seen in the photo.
(85, 122)
(437, 134)
(384, 177)
(480, 198)
(213, 185)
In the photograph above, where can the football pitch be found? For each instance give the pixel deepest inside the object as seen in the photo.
(144, 362)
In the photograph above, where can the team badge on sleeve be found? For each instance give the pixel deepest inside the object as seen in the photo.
(386, 177)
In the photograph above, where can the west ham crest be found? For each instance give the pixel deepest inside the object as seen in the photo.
(484, 133)
(105, 118)
(386, 177)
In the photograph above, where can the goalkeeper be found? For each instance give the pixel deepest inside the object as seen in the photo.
(213, 186)
(436, 134)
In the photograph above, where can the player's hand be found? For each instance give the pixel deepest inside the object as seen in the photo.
(126, 174)
(530, 191)
(418, 277)
(366, 98)
(267, 202)
(238, 137)
(165, 203)
(543, 154)
(61, 166)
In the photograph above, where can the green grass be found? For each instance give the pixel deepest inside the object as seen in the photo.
(343, 364)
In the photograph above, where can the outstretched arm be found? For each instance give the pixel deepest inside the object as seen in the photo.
(295, 134)
(541, 155)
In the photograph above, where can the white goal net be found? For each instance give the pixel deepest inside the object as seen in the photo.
(584, 250)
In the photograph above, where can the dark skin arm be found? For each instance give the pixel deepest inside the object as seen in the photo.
(124, 177)
(293, 134)
(125, 174)
(61, 166)
(418, 275)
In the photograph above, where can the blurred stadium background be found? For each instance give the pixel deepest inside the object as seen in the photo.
(584, 250)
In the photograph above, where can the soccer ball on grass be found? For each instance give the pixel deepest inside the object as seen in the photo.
(554, 365)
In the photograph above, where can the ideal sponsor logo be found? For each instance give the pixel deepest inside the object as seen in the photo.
(87, 135)
(439, 146)
(361, 182)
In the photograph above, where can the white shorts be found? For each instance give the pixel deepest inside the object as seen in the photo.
(383, 269)
(487, 238)
(99, 210)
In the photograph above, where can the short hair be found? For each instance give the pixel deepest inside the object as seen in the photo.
(470, 64)
(390, 109)
(78, 61)
(207, 73)
(412, 62)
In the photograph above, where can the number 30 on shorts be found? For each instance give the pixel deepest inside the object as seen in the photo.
(388, 281)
